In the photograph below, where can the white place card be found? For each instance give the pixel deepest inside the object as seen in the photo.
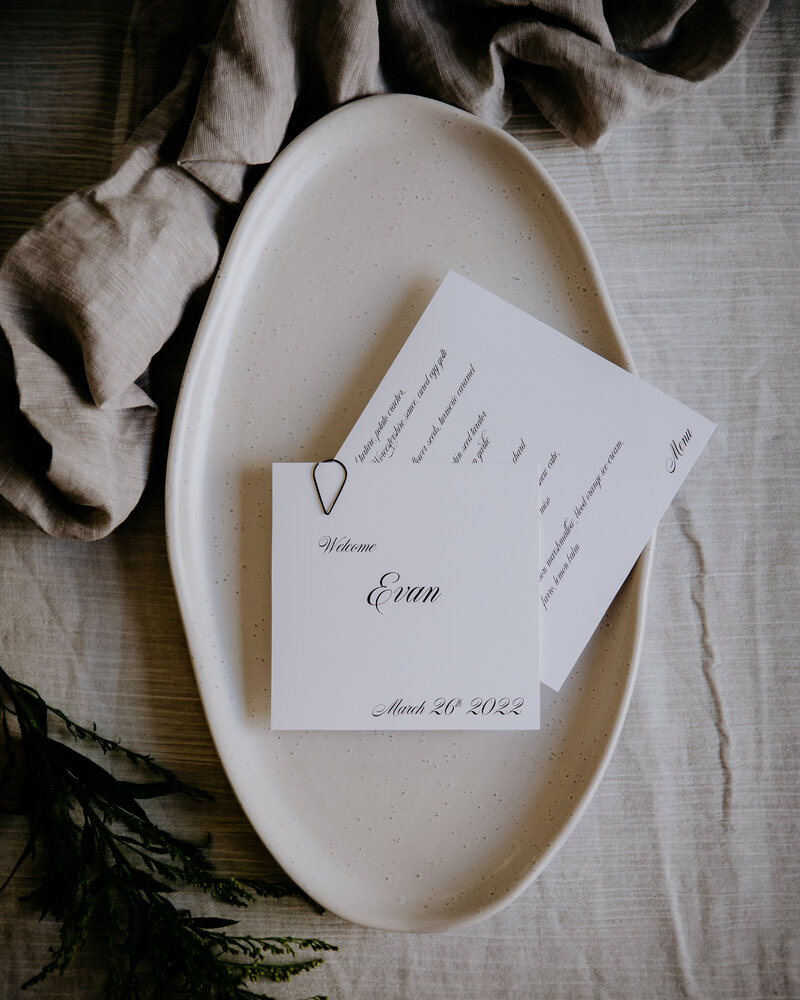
(479, 381)
(412, 605)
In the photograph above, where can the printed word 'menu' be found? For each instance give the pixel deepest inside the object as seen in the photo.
(676, 450)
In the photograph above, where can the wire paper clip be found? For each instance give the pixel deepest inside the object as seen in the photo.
(343, 467)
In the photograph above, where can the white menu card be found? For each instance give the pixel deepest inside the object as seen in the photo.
(479, 382)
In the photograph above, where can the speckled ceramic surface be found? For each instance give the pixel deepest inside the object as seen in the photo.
(336, 255)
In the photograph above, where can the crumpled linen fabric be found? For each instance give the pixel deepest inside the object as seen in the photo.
(93, 292)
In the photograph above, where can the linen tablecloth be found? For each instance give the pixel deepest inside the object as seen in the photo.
(682, 877)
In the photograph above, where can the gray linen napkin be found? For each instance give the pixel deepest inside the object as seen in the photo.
(91, 294)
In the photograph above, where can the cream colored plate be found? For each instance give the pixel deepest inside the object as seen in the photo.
(336, 254)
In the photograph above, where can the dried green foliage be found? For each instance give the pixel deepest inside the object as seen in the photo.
(103, 853)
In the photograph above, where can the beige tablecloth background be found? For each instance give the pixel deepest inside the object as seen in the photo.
(682, 877)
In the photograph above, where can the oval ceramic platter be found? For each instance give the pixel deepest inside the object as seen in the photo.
(337, 253)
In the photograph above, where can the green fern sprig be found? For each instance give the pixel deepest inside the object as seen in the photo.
(104, 851)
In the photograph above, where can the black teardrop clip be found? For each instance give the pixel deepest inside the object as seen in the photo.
(343, 467)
